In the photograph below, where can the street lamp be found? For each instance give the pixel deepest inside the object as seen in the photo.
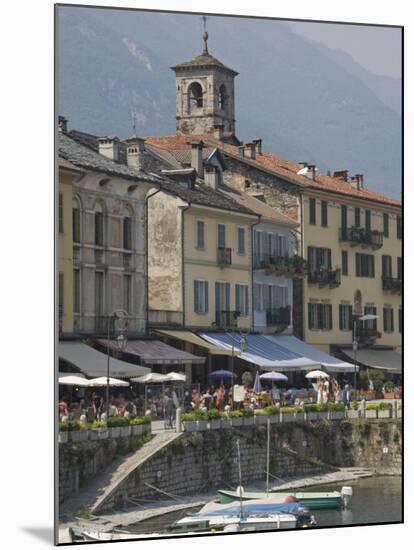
(121, 342)
(366, 317)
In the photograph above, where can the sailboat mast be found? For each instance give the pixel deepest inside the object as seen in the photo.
(240, 478)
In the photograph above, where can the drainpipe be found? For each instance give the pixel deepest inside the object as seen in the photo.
(252, 268)
(182, 259)
(146, 256)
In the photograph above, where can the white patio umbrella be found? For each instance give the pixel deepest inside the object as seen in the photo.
(176, 377)
(73, 380)
(102, 381)
(317, 374)
(150, 378)
(274, 376)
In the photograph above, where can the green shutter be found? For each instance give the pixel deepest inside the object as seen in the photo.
(330, 316)
(206, 298)
(195, 296)
(341, 312)
(310, 316)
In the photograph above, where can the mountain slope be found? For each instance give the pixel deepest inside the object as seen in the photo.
(290, 91)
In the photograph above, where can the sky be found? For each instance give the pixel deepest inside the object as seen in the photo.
(377, 49)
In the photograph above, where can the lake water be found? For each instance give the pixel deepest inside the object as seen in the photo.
(374, 500)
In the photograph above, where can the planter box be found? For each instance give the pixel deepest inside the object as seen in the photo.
(287, 417)
(274, 418)
(300, 417)
(248, 421)
(147, 428)
(190, 426)
(137, 429)
(323, 415)
(202, 425)
(63, 437)
(78, 435)
(384, 414)
(114, 432)
(352, 414)
(311, 416)
(215, 424)
(236, 422)
(225, 423)
(125, 431)
(98, 433)
(261, 420)
(371, 414)
(336, 415)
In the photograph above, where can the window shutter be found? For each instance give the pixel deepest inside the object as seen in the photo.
(310, 324)
(341, 318)
(206, 297)
(196, 296)
(330, 316)
(217, 293)
(329, 258)
(320, 315)
(227, 296)
(392, 319)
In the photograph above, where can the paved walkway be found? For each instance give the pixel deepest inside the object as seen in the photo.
(101, 486)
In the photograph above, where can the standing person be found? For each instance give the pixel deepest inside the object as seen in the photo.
(325, 391)
(168, 406)
(63, 409)
(319, 392)
(220, 398)
(346, 396)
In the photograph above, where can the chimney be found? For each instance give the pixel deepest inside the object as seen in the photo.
(311, 171)
(211, 177)
(62, 124)
(219, 131)
(241, 150)
(303, 165)
(357, 181)
(136, 153)
(197, 157)
(250, 151)
(109, 147)
(258, 143)
(341, 174)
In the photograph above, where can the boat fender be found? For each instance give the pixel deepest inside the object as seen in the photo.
(346, 495)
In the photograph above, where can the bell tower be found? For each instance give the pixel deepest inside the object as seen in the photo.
(204, 94)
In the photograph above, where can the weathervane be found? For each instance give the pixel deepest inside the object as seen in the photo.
(205, 34)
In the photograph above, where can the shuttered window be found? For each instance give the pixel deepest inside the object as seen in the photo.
(241, 245)
(324, 213)
(320, 316)
(387, 266)
(76, 225)
(364, 265)
(399, 227)
(370, 310)
(319, 257)
(242, 299)
(386, 225)
(127, 223)
(312, 211)
(399, 268)
(221, 235)
(357, 219)
(368, 220)
(344, 262)
(200, 296)
(76, 291)
(200, 234)
(388, 317)
(345, 317)
(344, 217)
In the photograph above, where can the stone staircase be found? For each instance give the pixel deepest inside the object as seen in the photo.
(93, 496)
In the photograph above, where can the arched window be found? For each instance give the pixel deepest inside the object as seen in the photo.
(127, 229)
(222, 96)
(195, 96)
(76, 220)
(99, 237)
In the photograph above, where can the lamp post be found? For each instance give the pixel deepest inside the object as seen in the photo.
(366, 317)
(121, 342)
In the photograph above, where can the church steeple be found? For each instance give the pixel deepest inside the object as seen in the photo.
(204, 93)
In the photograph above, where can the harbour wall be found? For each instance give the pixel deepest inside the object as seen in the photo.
(201, 461)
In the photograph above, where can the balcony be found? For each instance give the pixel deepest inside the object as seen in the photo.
(325, 277)
(361, 236)
(392, 285)
(224, 256)
(367, 336)
(279, 316)
(226, 319)
(290, 266)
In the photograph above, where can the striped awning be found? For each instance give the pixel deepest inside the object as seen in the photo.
(330, 363)
(261, 351)
(388, 360)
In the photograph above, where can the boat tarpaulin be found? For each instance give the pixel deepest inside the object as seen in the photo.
(331, 364)
(385, 359)
(261, 351)
(191, 338)
(155, 352)
(93, 363)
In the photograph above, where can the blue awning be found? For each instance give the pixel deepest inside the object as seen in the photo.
(262, 351)
(331, 364)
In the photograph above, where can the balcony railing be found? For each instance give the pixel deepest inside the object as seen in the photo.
(293, 266)
(279, 316)
(392, 285)
(224, 256)
(226, 319)
(362, 236)
(367, 336)
(325, 277)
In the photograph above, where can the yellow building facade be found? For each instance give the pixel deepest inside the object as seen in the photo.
(354, 253)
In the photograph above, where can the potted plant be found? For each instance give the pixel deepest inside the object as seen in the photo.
(236, 418)
(287, 414)
(260, 417)
(138, 424)
(118, 426)
(322, 409)
(273, 411)
(63, 432)
(389, 390)
(98, 430)
(384, 410)
(248, 417)
(213, 416)
(311, 411)
(189, 422)
(202, 419)
(353, 412)
(225, 420)
(371, 410)
(336, 411)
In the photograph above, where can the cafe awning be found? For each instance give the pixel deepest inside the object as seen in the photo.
(155, 352)
(92, 362)
(330, 364)
(191, 338)
(385, 359)
(261, 351)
